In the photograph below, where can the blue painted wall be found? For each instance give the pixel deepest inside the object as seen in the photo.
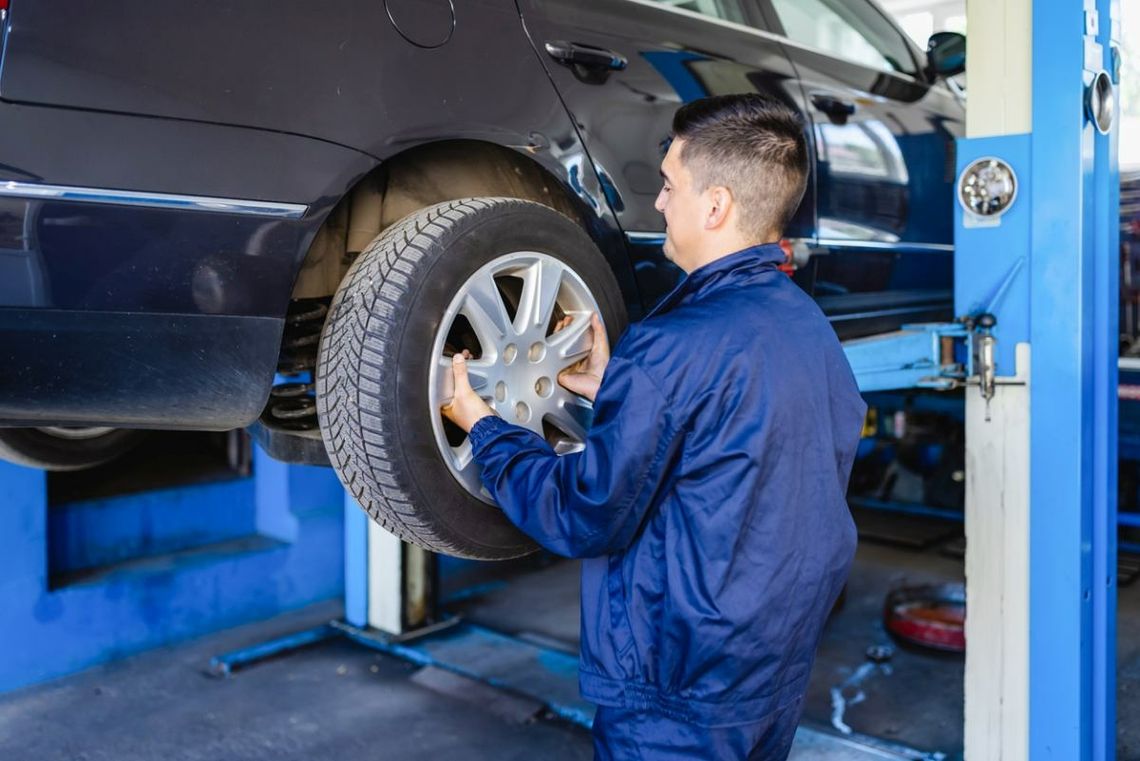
(295, 558)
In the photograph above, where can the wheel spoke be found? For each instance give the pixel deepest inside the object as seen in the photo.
(567, 446)
(563, 418)
(541, 284)
(483, 306)
(574, 341)
(463, 456)
(466, 469)
(479, 373)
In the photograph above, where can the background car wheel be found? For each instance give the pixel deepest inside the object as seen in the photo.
(492, 275)
(65, 448)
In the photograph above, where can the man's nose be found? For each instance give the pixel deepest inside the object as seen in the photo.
(659, 203)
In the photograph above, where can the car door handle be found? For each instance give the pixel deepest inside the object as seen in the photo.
(591, 57)
(831, 105)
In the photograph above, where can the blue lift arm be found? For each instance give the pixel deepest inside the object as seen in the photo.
(917, 356)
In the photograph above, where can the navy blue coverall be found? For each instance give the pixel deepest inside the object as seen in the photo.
(709, 505)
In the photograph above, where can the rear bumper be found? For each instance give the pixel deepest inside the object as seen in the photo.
(135, 370)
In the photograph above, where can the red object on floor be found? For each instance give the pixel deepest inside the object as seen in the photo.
(931, 616)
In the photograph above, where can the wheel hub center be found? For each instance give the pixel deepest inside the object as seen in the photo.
(525, 387)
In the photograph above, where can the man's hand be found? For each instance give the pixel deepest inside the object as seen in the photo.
(585, 376)
(465, 408)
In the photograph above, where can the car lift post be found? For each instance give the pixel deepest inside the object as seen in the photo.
(1041, 442)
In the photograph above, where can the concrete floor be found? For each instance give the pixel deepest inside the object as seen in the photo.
(917, 701)
(331, 701)
(337, 700)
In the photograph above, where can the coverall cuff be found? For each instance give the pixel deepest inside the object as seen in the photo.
(486, 428)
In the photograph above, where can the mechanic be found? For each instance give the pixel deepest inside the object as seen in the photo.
(709, 500)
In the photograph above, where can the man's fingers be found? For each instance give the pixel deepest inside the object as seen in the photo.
(601, 343)
(459, 370)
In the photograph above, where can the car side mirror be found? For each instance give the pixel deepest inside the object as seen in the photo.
(946, 54)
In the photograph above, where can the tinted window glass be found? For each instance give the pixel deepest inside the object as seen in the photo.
(729, 10)
(854, 31)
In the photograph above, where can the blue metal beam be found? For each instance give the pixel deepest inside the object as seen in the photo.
(1072, 318)
(908, 358)
(355, 562)
(1105, 188)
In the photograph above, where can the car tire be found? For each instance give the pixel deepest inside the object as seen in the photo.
(63, 449)
(379, 362)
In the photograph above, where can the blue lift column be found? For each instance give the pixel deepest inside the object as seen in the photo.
(1036, 248)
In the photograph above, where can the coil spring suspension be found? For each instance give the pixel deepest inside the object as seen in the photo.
(292, 400)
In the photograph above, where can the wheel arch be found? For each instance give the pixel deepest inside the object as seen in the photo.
(433, 172)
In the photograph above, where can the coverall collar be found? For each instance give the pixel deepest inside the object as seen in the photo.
(763, 254)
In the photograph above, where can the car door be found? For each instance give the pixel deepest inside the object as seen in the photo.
(623, 68)
(884, 137)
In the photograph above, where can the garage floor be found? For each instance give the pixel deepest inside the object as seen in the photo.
(332, 701)
(916, 701)
(338, 700)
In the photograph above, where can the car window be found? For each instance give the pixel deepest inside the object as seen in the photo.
(728, 10)
(850, 30)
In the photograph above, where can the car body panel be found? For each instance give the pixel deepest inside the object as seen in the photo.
(291, 104)
(625, 117)
(875, 215)
(137, 369)
(123, 105)
(883, 246)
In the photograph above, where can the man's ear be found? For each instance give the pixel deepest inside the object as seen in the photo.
(720, 203)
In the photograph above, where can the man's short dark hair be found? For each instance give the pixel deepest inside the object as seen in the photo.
(752, 145)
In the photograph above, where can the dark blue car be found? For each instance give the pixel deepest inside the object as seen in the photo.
(287, 215)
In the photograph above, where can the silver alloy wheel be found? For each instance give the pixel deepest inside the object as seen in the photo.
(516, 366)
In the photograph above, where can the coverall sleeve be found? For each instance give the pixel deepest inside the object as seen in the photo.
(591, 502)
